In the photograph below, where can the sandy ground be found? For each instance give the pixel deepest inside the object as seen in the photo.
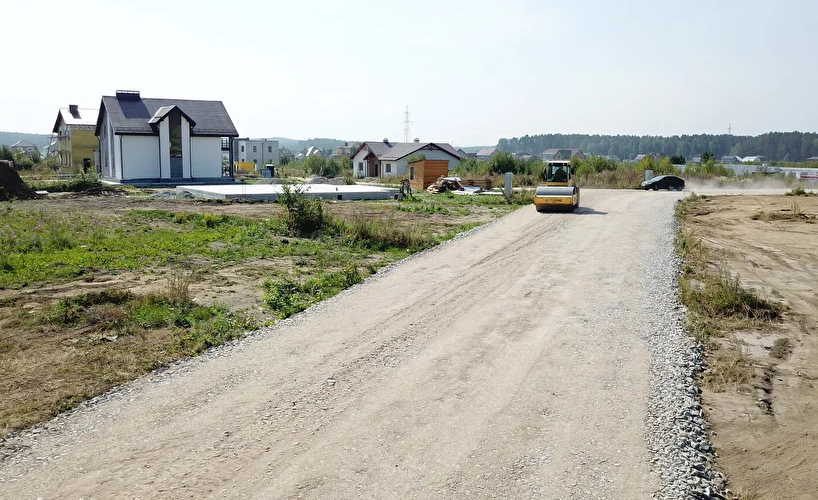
(767, 431)
(505, 364)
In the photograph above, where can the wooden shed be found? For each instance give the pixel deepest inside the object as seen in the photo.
(423, 173)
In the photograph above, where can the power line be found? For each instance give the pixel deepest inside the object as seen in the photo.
(406, 122)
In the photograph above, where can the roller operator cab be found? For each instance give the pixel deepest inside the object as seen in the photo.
(558, 192)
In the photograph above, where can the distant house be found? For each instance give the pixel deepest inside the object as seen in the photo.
(384, 158)
(259, 152)
(696, 159)
(148, 140)
(345, 150)
(462, 153)
(612, 158)
(310, 151)
(76, 143)
(641, 157)
(485, 153)
(24, 146)
(562, 154)
(728, 160)
(754, 159)
(812, 159)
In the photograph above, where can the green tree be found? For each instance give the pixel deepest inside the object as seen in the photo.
(502, 162)
(6, 153)
(678, 160)
(707, 156)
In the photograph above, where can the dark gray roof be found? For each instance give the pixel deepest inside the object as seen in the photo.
(133, 115)
(398, 150)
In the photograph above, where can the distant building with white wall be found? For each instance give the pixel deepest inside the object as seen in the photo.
(257, 151)
(384, 158)
(147, 140)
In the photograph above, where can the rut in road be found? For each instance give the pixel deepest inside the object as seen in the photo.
(510, 362)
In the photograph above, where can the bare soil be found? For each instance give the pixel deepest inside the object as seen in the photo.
(47, 368)
(766, 430)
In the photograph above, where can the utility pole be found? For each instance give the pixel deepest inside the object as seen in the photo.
(406, 122)
(729, 129)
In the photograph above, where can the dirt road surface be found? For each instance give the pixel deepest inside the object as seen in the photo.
(511, 363)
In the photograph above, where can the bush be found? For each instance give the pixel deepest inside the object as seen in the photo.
(304, 216)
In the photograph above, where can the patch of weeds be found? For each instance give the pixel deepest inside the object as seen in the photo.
(425, 208)
(287, 296)
(799, 191)
(385, 233)
(71, 310)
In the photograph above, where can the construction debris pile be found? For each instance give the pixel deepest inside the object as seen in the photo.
(443, 184)
(12, 186)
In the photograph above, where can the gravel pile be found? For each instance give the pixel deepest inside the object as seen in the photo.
(677, 433)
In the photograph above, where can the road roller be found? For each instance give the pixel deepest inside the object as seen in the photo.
(558, 192)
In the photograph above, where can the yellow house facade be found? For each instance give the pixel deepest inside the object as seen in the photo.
(77, 146)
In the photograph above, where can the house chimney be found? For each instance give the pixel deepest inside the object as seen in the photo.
(417, 139)
(74, 110)
(386, 140)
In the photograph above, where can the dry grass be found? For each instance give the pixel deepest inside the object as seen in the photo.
(782, 348)
(727, 367)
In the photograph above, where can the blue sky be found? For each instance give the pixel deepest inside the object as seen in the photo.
(470, 72)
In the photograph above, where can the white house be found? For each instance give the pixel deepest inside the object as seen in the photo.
(258, 151)
(146, 140)
(384, 158)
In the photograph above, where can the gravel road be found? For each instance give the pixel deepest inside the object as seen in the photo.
(541, 356)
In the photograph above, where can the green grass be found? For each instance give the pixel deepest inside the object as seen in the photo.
(286, 296)
(35, 246)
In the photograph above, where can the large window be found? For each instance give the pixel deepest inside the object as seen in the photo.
(388, 168)
(242, 149)
(254, 149)
(269, 149)
(175, 135)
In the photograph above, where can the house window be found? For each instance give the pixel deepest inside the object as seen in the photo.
(175, 135)
(411, 173)
(255, 160)
(254, 149)
(388, 168)
(360, 165)
(242, 149)
(269, 149)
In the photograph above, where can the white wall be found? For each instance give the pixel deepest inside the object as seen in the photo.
(117, 156)
(206, 156)
(185, 148)
(164, 148)
(140, 156)
(359, 157)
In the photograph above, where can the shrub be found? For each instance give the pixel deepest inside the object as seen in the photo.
(304, 216)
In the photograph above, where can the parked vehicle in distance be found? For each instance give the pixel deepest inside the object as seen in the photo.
(669, 182)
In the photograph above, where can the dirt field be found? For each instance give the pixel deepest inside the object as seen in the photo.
(766, 431)
(49, 366)
(512, 364)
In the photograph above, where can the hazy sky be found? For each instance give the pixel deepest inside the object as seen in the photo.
(471, 72)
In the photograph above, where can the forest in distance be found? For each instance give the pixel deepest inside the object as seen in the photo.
(776, 146)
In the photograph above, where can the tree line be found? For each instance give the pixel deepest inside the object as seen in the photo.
(776, 146)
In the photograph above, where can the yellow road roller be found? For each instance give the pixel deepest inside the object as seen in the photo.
(558, 192)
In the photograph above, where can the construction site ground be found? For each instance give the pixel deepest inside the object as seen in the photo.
(766, 430)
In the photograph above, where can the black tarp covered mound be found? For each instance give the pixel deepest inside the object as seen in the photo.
(12, 186)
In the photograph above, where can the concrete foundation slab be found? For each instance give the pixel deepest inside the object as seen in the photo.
(271, 192)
